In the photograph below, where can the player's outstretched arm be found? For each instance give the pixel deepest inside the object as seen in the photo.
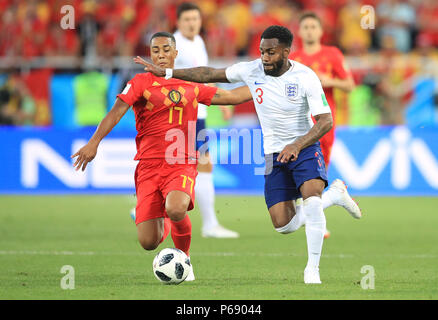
(87, 153)
(323, 124)
(233, 97)
(199, 74)
(346, 85)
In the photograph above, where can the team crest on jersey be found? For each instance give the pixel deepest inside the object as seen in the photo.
(175, 96)
(291, 90)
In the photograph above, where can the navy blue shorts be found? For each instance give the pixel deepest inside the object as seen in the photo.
(285, 179)
(200, 125)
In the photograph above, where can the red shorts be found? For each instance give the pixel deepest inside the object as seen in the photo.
(327, 141)
(154, 179)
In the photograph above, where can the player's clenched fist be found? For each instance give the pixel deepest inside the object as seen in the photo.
(85, 155)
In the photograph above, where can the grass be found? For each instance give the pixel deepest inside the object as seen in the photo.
(95, 235)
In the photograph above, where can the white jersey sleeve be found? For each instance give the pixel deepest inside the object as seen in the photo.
(238, 72)
(315, 96)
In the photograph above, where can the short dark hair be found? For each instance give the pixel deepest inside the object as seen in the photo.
(281, 33)
(163, 34)
(186, 6)
(311, 15)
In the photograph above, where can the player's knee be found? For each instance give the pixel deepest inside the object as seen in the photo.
(149, 243)
(176, 211)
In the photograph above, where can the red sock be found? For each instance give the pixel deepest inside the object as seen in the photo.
(182, 234)
(166, 229)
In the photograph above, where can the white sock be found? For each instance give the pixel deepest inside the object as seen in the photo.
(315, 229)
(295, 223)
(327, 199)
(204, 190)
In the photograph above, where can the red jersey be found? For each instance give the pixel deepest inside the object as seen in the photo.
(329, 61)
(165, 114)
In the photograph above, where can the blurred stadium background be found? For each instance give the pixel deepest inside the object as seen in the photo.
(56, 85)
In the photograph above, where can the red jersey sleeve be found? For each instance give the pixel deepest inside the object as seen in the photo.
(206, 94)
(133, 90)
(340, 69)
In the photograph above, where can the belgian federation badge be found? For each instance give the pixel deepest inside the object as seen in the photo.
(175, 96)
(291, 90)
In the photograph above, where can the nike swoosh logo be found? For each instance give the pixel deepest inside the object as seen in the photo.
(258, 83)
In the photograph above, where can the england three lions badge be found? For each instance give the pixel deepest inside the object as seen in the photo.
(292, 91)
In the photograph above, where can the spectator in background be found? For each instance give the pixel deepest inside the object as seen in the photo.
(10, 32)
(282, 10)
(133, 36)
(209, 11)
(39, 8)
(88, 29)
(237, 15)
(294, 23)
(427, 21)
(425, 56)
(32, 36)
(218, 34)
(352, 37)
(262, 18)
(60, 42)
(157, 21)
(109, 39)
(396, 19)
(396, 83)
(128, 28)
(327, 11)
(6, 117)
(17, 106)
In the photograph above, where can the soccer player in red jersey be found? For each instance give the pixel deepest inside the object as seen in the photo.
(165, 112)
(328, 63)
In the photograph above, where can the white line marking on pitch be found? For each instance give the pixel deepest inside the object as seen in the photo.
(211, 254)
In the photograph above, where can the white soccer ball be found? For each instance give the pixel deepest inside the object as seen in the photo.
(171, 266)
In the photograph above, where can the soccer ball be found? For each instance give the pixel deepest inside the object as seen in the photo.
(171, 266)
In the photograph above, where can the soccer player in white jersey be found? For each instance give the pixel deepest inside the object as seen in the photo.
(286, 94)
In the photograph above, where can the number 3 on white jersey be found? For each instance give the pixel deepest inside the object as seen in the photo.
(259, 98)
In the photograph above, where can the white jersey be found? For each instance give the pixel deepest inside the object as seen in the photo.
(191, 54)
(284, 104)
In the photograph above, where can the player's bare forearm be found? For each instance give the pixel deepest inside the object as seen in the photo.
(346, 85)
(109, 121)
(232, 97)
(201, 74)
(324, 122)
(88, 152)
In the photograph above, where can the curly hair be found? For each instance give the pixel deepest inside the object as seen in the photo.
(283, 35)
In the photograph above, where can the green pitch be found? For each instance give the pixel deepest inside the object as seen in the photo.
(94, 234)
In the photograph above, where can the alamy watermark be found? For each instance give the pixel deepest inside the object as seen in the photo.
(368, 280)
(368, 17)
(226, 146)
(67, 281)
(68, 20)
